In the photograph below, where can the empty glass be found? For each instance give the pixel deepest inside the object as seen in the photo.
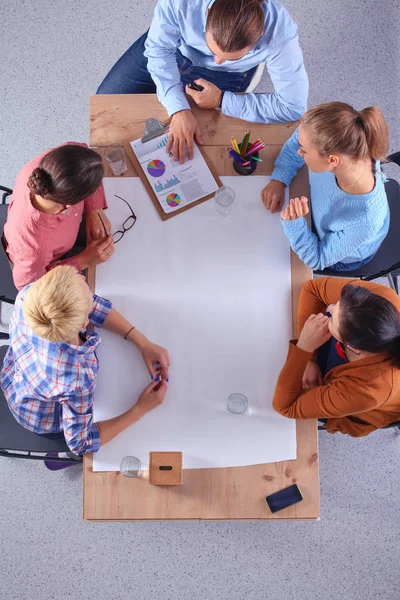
(237, 404)
(115, 156)
(131, 466)
(224, 198)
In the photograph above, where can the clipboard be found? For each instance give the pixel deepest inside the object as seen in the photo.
(153, 129)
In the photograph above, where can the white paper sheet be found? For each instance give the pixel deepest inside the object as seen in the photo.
(216, 292)
(175, 185)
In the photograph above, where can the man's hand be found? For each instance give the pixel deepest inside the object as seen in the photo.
(94, 226)
(97, 252)
(296, 209)
(312, 375)
(182, 130)
(315, 333)
(273, 195)
(207, 98)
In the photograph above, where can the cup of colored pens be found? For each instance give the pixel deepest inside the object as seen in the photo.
(245, 154)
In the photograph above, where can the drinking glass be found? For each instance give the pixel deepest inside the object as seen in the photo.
(224, 197)
(237, 404)
(131, 466)
(115, 156)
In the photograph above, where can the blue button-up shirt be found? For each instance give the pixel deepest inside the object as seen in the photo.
(49, 386)
(182, 24)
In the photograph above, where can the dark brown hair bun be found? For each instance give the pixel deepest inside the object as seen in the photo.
(40, 182)
(67, 174)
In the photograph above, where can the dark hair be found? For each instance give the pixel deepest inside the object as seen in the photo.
(67, 175)
(369, 322)
(338, 127)
(236, 24)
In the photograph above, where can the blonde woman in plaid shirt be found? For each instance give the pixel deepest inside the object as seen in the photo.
(50, 370)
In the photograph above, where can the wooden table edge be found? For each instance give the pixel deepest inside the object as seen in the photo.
(299, 272)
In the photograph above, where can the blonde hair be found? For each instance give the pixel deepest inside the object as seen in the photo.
(338, 127)
(55, 307)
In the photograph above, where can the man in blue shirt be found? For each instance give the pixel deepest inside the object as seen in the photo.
(218, 44)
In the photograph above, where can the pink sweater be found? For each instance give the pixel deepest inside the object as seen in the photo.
(36, 240)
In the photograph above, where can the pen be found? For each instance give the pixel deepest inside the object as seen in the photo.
(102, 222)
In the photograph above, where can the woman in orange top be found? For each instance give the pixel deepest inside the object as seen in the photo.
(353, 381)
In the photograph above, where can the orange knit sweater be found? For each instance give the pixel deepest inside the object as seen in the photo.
(357, 397)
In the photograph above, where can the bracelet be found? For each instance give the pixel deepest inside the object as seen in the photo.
(131, 329)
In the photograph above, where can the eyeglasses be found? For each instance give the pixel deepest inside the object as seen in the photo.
(126, 225)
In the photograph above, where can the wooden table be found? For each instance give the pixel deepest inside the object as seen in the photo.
(228, 493)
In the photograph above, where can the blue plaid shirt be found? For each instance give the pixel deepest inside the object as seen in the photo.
(49, 386)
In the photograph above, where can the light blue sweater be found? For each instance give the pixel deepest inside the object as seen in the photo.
(350, 227)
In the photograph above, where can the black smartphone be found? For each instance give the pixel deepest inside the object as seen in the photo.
(195, 86)
(284, 498)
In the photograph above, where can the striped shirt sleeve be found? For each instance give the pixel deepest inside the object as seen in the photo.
(81, 433)
(100, 309)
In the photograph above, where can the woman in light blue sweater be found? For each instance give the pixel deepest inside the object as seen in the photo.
(343, 149)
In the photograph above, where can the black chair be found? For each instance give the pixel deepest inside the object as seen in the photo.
(8, 291)
(386, 262)
(18, 442)
(394, 425)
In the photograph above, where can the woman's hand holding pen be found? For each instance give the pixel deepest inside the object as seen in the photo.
(155, 357)
(296, 209)
(97, 225)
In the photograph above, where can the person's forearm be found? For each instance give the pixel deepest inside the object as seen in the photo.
(116, 323)
(112, 427)
(260, 108)
(288, 161)
(290, 380)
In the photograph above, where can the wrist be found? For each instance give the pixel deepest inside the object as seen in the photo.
(179, 112)
(136, 412)
(137, 338)
(304, 346)
(82, 261)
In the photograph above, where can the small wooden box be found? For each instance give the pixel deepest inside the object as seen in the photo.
(166, 468)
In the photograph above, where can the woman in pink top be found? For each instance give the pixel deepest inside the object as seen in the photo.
(50, 195)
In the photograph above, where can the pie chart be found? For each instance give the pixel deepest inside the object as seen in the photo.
(156, 168)
(173, 200)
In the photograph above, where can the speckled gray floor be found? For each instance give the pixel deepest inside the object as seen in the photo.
(56, 55)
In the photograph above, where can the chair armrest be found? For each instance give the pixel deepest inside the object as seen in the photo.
(6, 192)
(395, 158)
